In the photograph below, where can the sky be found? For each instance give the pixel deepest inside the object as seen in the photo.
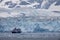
(44, 4)
(7, 6)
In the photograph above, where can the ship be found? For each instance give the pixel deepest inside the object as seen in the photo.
(16, 30)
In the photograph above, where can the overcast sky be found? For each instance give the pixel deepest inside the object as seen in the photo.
(51, 5)
(40, 4)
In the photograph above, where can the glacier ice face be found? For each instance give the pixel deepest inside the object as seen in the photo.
(29, 15)
(27, 19)
(29, 24)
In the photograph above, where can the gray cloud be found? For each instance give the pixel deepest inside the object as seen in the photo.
(47, 3)
(58, 3)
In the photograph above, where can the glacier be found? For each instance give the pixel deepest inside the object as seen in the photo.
(28, 19)
(29, 15)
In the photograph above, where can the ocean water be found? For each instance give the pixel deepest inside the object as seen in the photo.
(30, 36)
